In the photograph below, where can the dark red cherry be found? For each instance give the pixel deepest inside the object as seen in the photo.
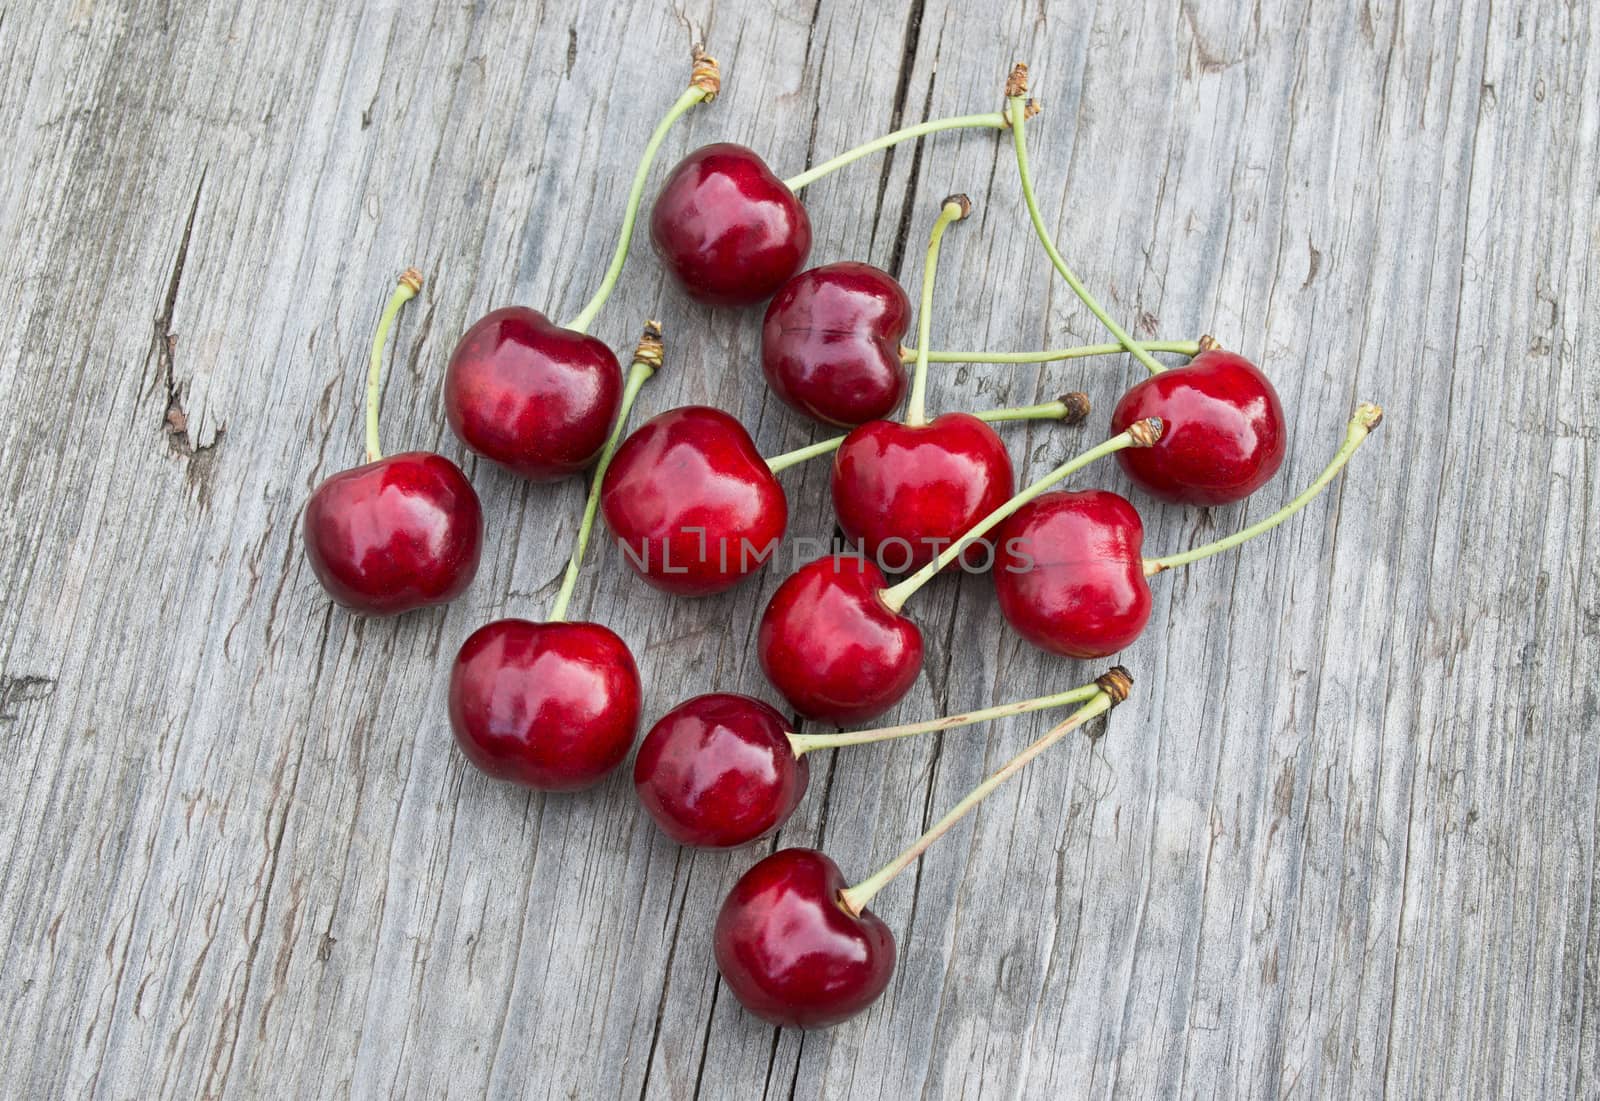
(692, 503)
(1069, 573)
(791, 952)
(728, 230)
(830, 344)
(554, 706)
(1225, 436)
(400, 533)
(832, 647)
(534, 397)
(906, 493)
(718, 771)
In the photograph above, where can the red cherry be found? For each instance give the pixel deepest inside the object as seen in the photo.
(534, 397)
(400, 533)
(1225, 433)
(789, 949)
(718, 771)
(692, 503)
(905, 493)
(728, 230)
(832, 647)
(830, 344)
(1069, 573)
(554, 706)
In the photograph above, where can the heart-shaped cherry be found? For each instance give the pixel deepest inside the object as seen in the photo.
(1070, 577)
(553, 705)
(723, 770)
(400, 532)
(830, 343)
(832, 640)
(800, 949)
(539, 398)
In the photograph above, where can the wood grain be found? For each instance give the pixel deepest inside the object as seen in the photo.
(1341, 841)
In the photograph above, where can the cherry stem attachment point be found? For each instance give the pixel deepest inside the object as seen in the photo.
(1110, 690)
(1082, 351)
(646, 362)
(405, 290)
(1017, 112)
(1367, 417)
(1068, 408)
(704, 83)
(810, 743)
(953, 209)
(1139, 434)
(994, 120)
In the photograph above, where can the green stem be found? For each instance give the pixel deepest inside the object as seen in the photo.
(1108, 692)
(585, 317)
(1017, 106)
(646, 361)
(810, 743)
(405, 290)
(1181, 347)
(1139, 434)
(955, 208)
(994, 120)
(1367, 417)
(1070, 408)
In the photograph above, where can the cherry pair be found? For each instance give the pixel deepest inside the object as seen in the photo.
(797, 945)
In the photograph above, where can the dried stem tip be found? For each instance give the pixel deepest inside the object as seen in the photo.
(959, 200)
(1115, 682)
(706, 75)
(412, 278)
(650, 349)
(1208, 343)
(1017, 82)
(1145, 433)
(1369, 414)
(1077, 406)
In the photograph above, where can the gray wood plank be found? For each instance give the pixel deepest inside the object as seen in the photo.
(1341, 841)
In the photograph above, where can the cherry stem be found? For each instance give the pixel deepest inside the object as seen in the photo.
(955, 208)
(1367, 417)
(1110, 690)
(994, 120)
(1069, 408)
(405, 290)
(703, 86)
(1017, 106)
(1139, 434)
(646, 362)
(1082, 351)
(810, 743)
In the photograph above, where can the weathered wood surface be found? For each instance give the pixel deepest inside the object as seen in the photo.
(1341, 841)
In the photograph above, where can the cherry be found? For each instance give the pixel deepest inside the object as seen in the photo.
(1070, 577)
(800, 949)
(830, 343)
(723, 770)
(397, 533)
(553, 705)
(832, 640)
(538, 398)
(1227, 436)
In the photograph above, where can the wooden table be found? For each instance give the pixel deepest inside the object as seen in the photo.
(1342, 840)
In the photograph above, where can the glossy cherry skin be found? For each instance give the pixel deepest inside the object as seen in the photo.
(691, 502)
(789, 950)
(554, 706)
(1225, 436)
(718, 771)
(905, 494)
(400, 533)
(830, 344)
(534, 397)
(728, 230)
(1069, 574)
(832, 647)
